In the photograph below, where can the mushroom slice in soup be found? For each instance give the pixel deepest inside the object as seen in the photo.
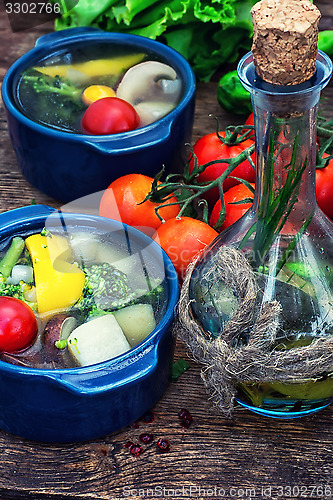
(152, 111)
(150, 81)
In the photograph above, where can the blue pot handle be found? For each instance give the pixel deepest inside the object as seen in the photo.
(25, 213)
(62, 35)
(116, 145)
(89, 382)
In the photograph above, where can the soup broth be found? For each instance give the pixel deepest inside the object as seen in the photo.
(52, 91)
(95, 296)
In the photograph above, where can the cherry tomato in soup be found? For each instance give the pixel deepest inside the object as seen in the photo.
(109, 115)
(123, 201)
(182, 239)
(234, 211)
(18, 325)
(324, 188)
(209, 148)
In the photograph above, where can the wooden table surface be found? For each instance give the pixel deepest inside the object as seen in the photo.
(247, 456)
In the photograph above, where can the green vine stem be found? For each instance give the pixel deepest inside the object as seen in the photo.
(189, 191)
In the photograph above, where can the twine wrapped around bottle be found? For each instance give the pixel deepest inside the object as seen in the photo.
(224, 365)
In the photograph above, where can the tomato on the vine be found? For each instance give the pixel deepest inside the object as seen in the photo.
(109, 115)
(250, 120)
(209, 148)
(324, 188)
(18, 325)
(123, 201)
(182, 239)
(234, 211)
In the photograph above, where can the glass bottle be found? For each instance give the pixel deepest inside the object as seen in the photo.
(285, 236)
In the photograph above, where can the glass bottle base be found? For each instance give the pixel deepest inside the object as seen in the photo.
(285, 407)
(280, 410)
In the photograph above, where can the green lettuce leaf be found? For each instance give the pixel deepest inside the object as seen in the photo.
(207, 33)
(83, 13)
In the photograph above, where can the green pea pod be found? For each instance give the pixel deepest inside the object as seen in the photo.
(232, 96)
(325, 42)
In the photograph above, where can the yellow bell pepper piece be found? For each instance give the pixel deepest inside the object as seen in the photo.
(94, 68)
(59, 283)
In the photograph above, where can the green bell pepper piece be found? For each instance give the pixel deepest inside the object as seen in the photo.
(325, 42)
(232, 96)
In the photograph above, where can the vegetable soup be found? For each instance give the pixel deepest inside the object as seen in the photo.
(62, 90)
(76, 298)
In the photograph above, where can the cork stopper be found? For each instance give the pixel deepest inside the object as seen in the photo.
(285, 40)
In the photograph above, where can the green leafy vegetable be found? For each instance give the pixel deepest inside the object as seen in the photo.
(207, 34)
(178, 368)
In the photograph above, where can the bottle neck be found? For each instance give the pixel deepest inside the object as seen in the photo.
(285, 122)
(286, 155)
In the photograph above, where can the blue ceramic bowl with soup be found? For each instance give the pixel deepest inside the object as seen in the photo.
(58, 404)
(65, 160)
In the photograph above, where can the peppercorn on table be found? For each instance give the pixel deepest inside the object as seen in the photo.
(190, 450)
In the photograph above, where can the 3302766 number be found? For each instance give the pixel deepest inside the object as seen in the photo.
(32, 8)
(303, 491)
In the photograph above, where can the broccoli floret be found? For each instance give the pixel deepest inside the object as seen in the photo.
(10, 290)
(54, 85)
(17, 291)
(106, 289)
(56, 101)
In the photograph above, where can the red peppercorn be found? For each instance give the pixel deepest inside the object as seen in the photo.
(185, 417)
(146, 438)
(129, 444)
(163, 444)
(136, 450)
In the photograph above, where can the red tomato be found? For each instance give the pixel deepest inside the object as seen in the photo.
(324, 188)
(250, 120)
(109, 115)
(123, 201)
(18, 325)
(209, 148)
(183, 239)
(233, 212)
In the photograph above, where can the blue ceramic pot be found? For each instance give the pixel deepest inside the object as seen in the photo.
(79, 404)
(67, 166)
